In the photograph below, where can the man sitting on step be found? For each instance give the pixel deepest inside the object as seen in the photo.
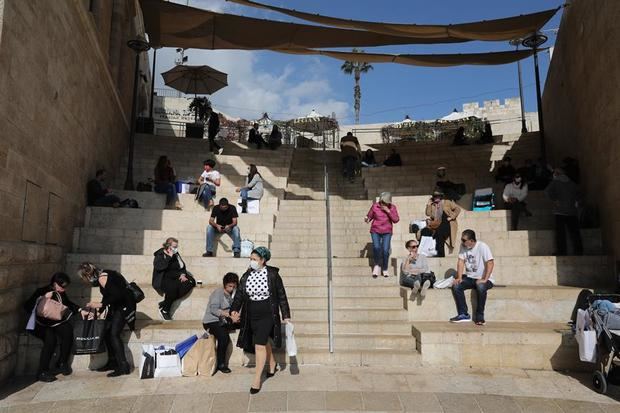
(223, 221)
(209, 180)
(474, 270)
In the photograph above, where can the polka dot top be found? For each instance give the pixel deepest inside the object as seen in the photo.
(257, 286)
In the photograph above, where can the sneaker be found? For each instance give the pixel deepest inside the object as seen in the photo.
(376, 270)
(386, 274)
(461, 318)
(160, 304)
(165, 315)
(208, 254)
(480, 322)
(425, 287)
(237, 254)
(416, 287)
(219, 151)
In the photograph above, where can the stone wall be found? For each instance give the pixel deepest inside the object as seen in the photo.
(582, 106)
(64, 110)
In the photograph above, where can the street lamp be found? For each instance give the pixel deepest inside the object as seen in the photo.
(151, 120)
(516, 43)
(534, 41)
(138, 45)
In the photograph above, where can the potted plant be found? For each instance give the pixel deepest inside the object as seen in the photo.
(199, 106)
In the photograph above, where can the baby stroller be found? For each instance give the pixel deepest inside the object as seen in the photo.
(608, 343)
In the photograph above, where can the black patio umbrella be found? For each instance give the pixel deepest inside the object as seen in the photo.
(199, 80)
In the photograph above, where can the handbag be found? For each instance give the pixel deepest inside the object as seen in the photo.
(430, 276)
(51, 309)
(136, 292)
(147, 362)
(88, 335)
(433, 223)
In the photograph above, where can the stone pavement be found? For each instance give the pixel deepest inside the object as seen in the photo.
(314, 388)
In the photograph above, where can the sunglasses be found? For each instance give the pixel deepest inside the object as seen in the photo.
(464, 240)
(413, 247)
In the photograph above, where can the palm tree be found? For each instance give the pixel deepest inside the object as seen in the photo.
(356, 68)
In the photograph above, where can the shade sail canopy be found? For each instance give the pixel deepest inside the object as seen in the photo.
(314, 123)
(173, 25)
(195, 79)
(431, 60)
(490, 30)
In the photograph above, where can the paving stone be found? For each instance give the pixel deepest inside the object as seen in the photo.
(153, 404)
(575, 406)
(537, 404)
(458, 403)
(198, 402)
(230, 403)
(306, 401)
(491, 403)
(609, 408)
(420, 402)
(30, 408)
(381, 401)
(116, 404)
(71, 406)
(343, 401)
(268, 402)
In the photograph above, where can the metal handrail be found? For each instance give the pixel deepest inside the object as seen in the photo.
(330, 293)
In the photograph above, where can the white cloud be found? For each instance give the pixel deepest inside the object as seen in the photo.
(283, 92)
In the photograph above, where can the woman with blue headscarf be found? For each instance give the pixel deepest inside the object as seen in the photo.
(258, 303)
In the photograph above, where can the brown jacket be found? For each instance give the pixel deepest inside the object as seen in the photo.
(452, 210)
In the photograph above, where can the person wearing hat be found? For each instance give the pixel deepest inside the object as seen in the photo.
(257, 306)
(442, 214)
(382, 216)
(223, 221)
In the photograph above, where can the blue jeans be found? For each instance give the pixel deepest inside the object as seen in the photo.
(233, 233)
(207, 195)
(244, 194)
(170, 190)
(381, 249)
(458, 292)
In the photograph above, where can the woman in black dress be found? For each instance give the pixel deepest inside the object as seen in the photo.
(259, 300)
(170, 276)
(53, 331)
(121, 310)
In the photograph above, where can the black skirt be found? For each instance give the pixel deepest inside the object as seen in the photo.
(261, 321)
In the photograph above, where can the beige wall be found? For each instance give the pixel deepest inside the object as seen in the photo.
(63, 114)
(582, 104)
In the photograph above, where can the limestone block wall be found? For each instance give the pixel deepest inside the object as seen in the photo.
(582, 105)
(62, 116)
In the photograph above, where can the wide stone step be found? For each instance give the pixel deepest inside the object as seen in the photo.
(498, 344)
(119, 241)
(513, 303)
(153, 200)
(145, 219)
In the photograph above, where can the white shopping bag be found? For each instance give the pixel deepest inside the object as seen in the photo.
(586, 337)
(146, 369)
(445, 283)
(167, 365)
(427, 246)
(291, 345)
(247, 247)
(253, 206)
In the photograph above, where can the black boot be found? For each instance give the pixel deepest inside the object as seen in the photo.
(46, 377)
(244, 206)
(122, 369)
(64, 369)
(110, 365)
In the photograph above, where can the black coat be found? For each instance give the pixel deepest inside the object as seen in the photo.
(117, 297)
(277, 300)
(165, 268)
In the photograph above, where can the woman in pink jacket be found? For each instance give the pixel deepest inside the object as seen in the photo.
(383, 215)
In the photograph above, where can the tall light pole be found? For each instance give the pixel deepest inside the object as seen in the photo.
(516, 43)
(534, 42)
(151, 120)
(138, 45)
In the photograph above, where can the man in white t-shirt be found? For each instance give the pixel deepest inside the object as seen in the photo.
(474, 270)
(209, 179)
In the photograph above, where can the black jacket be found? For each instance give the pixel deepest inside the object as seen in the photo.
(95, 190)
(165, 268)
(31, 302)
(278, 301)
(117, 297)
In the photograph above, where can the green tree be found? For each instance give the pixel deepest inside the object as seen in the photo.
(356, 69)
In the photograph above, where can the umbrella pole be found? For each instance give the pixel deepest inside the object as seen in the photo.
(195, 108)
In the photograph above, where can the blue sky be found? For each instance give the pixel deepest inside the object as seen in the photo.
(287, 86)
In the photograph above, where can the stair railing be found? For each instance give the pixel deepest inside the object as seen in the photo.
(330, 294)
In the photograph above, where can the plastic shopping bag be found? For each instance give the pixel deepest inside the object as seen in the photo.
(147, 362)
(445, 283)
(586, 337)
(167, 362)
(427, 246)
(184, 346)
(291, 345)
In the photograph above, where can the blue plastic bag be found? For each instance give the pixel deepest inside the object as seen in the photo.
(183, 347)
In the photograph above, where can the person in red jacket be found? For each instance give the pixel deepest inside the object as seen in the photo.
(382, 216)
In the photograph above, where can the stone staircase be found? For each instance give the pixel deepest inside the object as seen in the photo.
(375, 322)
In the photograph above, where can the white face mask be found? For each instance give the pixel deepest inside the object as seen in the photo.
(174, 250)
(254, 265)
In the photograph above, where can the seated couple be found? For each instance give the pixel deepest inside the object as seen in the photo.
(474, 271)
